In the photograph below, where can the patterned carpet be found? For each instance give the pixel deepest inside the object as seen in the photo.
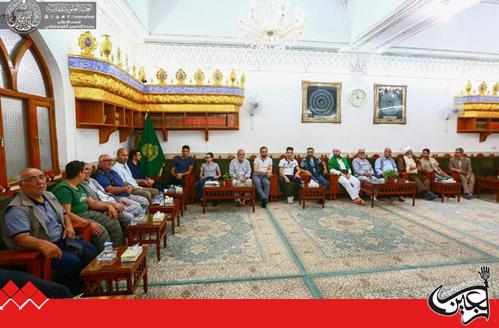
(342, 251)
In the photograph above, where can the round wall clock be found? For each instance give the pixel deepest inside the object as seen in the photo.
(358, 97)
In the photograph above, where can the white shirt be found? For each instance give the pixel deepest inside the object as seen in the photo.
(289, 167)
(125, 174)
(262, 165)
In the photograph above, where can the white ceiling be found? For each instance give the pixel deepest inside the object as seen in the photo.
(382, 26)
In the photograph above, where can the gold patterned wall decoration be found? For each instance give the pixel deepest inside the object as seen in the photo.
(87, 44)
(180, 76)
(101, 79)
(217, 77)
(199, 77)
(161, 75)
(106, 46)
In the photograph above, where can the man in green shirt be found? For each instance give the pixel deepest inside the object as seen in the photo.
(81, 207)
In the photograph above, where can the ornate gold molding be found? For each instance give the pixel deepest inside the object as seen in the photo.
(99, 86)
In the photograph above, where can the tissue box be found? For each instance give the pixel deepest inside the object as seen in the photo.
(131, 254)
(158, 216)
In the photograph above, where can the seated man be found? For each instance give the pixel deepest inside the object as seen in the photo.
(134, 159)
(430, 164)
(126, 208)
(409, 165)
(262, 171)
(462, 165)
(113, 184)
(35, 220)
(121, 167)
(182, 166)
(386, 163)
(362, 169)
(209, 171)
(289, 176)
(339, 166)
(79, 206)
(240, 169)
(315, 168)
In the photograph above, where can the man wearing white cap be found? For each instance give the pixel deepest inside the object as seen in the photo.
(409, 165)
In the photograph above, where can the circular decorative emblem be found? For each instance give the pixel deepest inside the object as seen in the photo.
(149, 151)
(23, 16)
(321, 103)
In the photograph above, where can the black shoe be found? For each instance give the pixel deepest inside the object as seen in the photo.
(467, 196)
(264, 203)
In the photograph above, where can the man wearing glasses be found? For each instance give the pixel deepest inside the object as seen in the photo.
(111, 181)
(462, 165)
(35, 220)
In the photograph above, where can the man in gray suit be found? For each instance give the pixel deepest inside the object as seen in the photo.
(462, 165)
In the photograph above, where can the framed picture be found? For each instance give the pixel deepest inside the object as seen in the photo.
(321, 102)
(390, 104)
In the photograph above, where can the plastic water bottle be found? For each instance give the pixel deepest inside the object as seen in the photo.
(141, 216)
(161, 199)
(108, 247)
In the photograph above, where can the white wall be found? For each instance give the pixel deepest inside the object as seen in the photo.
(279, 125)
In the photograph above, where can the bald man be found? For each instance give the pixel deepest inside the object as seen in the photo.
(121, 167)
(35, 220)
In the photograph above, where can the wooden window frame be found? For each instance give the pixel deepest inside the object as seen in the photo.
(11, 65)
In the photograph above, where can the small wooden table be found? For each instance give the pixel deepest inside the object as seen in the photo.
(224, 193)
(172, 212)
(113, 273)
(446, 189)
(488, 183)
(182, 197)
(397, 188)
(148, 232)
(307, 193)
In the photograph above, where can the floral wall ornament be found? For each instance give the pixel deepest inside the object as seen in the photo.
(87, 44)
(482, 88)
(199, 77)
(217, 77)
(180, 76)
(161, 75)
(106, 46)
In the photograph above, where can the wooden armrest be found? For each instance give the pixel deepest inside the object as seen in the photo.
(36, 263)
(83, 229)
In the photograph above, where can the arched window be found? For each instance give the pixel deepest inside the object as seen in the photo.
(27, 117)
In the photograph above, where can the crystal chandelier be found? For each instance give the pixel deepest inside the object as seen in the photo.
(271, 25)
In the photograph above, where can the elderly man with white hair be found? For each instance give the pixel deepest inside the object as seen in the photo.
(412, 166)
(339, 166)
(362, 169)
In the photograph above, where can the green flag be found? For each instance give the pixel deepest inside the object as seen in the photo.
(150, 148)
